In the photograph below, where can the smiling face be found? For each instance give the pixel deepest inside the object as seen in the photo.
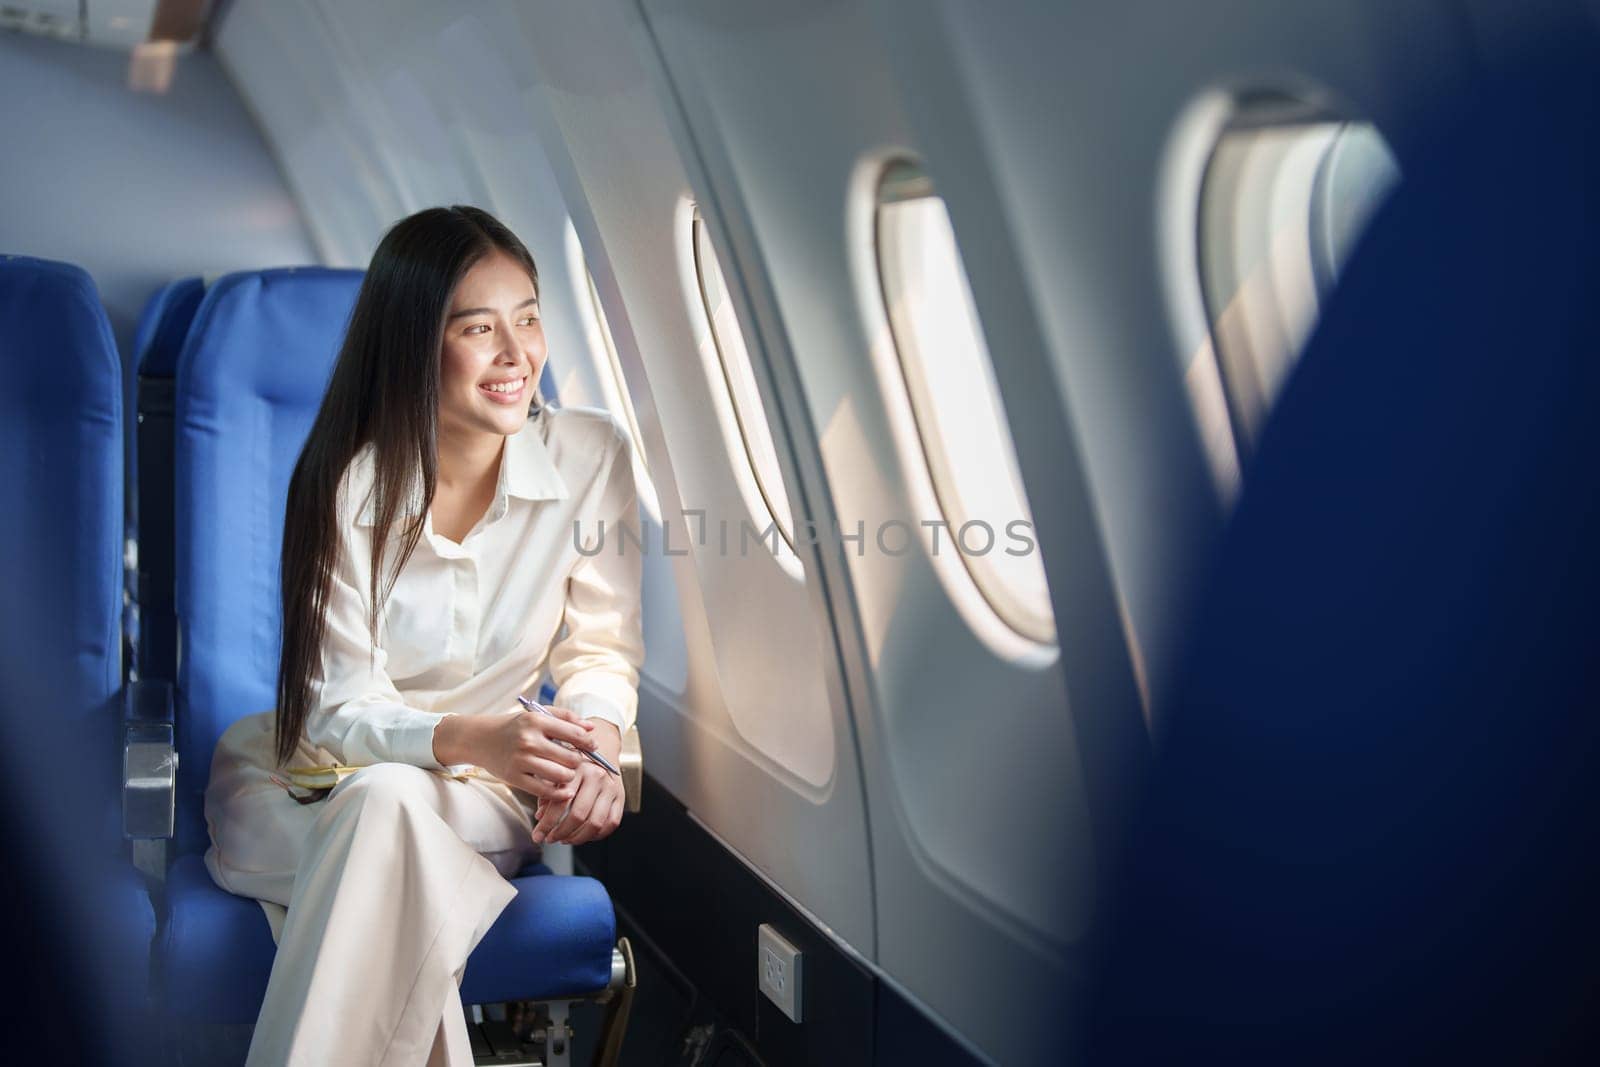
(493, 350)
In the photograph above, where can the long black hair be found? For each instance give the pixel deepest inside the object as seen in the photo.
(384, 392)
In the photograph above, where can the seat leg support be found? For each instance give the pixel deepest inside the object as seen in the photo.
(558, 1035)
(615, 1027)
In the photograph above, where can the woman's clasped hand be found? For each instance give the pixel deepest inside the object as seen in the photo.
(577, 800)
(520, 748)
(597, 804)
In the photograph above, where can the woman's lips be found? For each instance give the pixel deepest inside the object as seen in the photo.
(510, 396)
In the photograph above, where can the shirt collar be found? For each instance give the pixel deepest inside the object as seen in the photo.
(526, 469)
(526, 472)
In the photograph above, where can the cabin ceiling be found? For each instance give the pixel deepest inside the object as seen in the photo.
(115, 24)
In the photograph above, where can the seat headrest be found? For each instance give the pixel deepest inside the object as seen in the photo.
(273, 332)
(164, 324)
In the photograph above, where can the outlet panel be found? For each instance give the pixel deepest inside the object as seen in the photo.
(778, 970)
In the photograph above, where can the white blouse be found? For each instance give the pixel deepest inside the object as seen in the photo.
(469, 626)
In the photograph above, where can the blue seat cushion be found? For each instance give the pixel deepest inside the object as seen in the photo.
(216, 949)
(554, 939)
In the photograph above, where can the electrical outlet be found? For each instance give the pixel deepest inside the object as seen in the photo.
(778, 970)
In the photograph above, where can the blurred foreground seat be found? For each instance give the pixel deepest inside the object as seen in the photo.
(79, 918)
(1370, 830)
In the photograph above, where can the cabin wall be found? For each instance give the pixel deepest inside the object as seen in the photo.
(136, 188)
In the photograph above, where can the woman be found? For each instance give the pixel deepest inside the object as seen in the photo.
(429, 578)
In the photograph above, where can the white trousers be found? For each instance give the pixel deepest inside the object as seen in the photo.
(389, 883)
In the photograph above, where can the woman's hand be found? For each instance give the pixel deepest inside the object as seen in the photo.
(521, 748)
(596, 809)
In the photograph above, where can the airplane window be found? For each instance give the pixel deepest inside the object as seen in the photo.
(955, 402)
(748, 411)
(1281, 207)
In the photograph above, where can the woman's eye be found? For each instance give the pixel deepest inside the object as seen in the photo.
(481, 327)
(529, 320)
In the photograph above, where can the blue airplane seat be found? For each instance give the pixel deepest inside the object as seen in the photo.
(163, 325)
(249, 382)
(80, 919)
(1370, 819)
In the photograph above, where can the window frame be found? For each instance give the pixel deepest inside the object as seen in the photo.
(700, 238)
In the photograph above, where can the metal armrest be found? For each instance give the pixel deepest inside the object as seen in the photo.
(631, 764)
(149, 761)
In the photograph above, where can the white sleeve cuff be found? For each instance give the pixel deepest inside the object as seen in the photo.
(595, 706)
(412, 739)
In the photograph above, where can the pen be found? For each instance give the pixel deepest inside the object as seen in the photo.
(594, 757)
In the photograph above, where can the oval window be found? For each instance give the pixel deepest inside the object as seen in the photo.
(965, 437)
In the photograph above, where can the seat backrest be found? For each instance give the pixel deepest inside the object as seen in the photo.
(154, 361)
(250, 379)
(61, 469)
(74, 910)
